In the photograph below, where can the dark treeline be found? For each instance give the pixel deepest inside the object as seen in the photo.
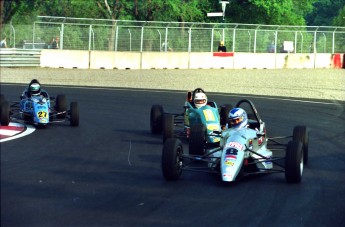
(273, 12)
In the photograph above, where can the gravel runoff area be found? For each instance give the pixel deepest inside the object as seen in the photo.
(304, 83)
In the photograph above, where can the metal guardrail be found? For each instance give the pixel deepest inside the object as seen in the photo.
(19, 57)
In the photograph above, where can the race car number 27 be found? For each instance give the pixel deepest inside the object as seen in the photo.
(42, 114)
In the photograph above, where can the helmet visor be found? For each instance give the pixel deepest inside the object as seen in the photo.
(235, 121)
(200, 101)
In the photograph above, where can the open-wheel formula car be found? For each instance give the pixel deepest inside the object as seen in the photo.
(39, 110)
(196, 123)
(242, 152)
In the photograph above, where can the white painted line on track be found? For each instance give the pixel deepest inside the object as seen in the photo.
(16, 134)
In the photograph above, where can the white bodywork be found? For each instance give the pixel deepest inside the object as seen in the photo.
(236, 145)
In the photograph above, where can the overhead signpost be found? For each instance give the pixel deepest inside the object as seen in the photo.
(224, 3)
(219, 14)
(215, 14)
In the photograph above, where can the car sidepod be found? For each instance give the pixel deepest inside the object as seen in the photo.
(209, 117)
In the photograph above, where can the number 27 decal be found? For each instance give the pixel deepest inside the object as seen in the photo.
(42, 114)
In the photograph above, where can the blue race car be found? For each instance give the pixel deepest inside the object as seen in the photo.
(39, 110)
(197, 122)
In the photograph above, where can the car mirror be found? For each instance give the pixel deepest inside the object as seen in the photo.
(260, 134)
(217, 132)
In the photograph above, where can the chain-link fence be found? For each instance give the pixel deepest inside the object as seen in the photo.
(140, 36)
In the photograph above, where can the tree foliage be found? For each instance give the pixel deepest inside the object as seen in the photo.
(324, 12)
(340, 19)
(280, 12)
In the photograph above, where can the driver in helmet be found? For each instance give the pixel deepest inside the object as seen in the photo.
(238, 118)
(200, 99)
(34, 89)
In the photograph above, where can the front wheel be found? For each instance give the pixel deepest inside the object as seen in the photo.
(294, 162)
(5, 113)
(172, 159)
(74, 114)
(61, 106)
(197, 139)
(301, 134)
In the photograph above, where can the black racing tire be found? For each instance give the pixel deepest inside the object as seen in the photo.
(61, 106)
(5, 113)
(168, 126)
(294, 162)
(172, 159)
(74, 111)
(224, 114)
(156, 119)
(197, 139)
(301, 133)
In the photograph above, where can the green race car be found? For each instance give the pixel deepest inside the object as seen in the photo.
(196, 123)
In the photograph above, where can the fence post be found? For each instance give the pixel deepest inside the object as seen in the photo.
(116, 37)
(142, 39)
(234, 38)
(212, 34)
(255, 33)
(190, 40)
(166, 40)
(90, 30)
(33, 35)
(314, 44)
(61, 35)
(333, 37)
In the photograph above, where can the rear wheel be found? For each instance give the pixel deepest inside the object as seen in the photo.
(172, 159)
(294, 162)
(5, 113)
(61, 106)
(197, 139)
(156, 119)
(301, 134)
(74, 114)
(168, 126)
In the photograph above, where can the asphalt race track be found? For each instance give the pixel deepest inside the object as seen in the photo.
(107, 171)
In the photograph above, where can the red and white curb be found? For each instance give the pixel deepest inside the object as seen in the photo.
(14, 131)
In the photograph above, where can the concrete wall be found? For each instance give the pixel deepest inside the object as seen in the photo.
(65, 58)
(185, 60)
(165, 60)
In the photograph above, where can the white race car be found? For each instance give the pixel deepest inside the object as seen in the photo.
(242, 152)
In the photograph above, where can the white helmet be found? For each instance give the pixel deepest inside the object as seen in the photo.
(34, 87)
(238, 118)
(200, 99)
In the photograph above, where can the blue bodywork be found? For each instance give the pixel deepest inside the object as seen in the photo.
(37, 108)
